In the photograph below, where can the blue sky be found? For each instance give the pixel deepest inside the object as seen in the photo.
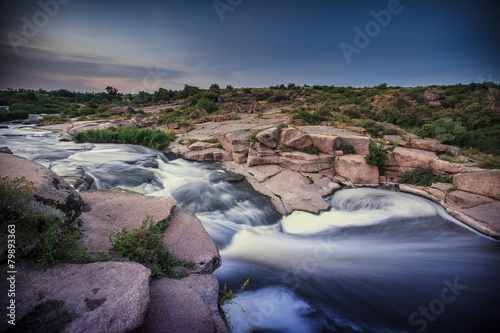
(143, 45)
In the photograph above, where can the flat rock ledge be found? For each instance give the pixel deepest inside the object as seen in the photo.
(98, 297)
(187, 305)
(480, 212)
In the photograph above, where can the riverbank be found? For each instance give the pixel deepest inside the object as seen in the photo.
(278, 166)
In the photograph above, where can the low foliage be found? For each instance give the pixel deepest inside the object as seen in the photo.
(423, 177)
(42, 237)
(156, 139)
(311, 150)
(347, 149)
(252, 137)
(145, 245)
(378, 155)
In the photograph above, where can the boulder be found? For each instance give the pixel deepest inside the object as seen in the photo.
(198, 113)
(127, 109)
(355, 169)
(293, 139)
(188, 240)
(150, 121)
(484, 183)
(431, 95)
(303, 162)
(96, 297)
(431, 145)
(137, 121)
(51, 190)
(296, 192)
(404, 159)
(444, 167)
(300, 122)
(185, 305)
(5, 150)
(107, 211)
(234, 142)
(200, 145)
(210, 154)
(174, 125)
(326, 143)
(268, 137)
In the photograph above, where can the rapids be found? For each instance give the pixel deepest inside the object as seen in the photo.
(377, 261)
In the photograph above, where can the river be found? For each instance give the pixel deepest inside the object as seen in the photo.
(377, 261)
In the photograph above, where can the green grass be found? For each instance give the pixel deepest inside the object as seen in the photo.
(145, 245)
(156, 139)
(347, 149)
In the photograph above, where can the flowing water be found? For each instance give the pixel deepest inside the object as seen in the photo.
(377, 261)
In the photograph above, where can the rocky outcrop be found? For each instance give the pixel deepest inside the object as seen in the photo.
(188, 240)
(52, 193)
(296, 192)
(268, 137)
(355, 169)
(291, 138)
(361, 144)
(485, 182)
(107, 211)
(431, 145)
(303, 162)
(97, 297)
(260, 154)
(236, 143)
(198, 113)
(200, 145)
(187, 305)
(404, 159)
(210, 154)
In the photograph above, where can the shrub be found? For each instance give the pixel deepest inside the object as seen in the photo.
(156, 139)
(208, 105)
(373, 128)
(82, 118)
(347, 149)
(311, 150)
(145, 245)
(423, 177)
(378, 155)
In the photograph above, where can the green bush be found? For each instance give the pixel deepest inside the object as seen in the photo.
(208, 105)
(145, 245)
(156, 139)
(252, 137)
(423, 177)
(373, 128)
(378, 155)
(347, 149)
(311, 150)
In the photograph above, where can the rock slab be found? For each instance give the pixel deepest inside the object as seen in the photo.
(107, 211)
(97, 297)
(185, 305)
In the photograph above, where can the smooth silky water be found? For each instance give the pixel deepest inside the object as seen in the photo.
(377, 261)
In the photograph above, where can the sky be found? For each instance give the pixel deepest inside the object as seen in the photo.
(87, 45)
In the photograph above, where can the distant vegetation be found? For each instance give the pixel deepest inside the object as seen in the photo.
(156, 139)
(463, 115)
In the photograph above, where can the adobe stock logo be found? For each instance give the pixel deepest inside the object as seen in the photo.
(372, 29)
(30, 28)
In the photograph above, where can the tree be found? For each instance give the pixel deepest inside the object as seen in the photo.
(378, 155)
(214, 87)
(111, 91)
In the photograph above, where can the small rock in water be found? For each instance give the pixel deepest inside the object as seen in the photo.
(225, 176)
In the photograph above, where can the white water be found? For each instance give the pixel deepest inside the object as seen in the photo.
(366, 265)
